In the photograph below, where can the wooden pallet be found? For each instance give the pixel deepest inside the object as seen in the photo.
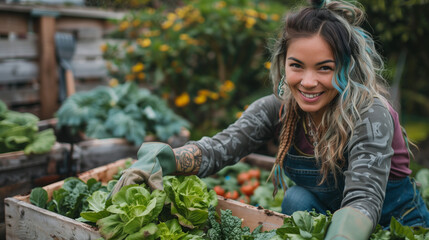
(26, 221)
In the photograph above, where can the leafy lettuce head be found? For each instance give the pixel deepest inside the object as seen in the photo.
(190, 199)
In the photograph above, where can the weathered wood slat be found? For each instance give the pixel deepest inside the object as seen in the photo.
(18, 71)
(20, 48)
(81, 12)
(13, 22)
(26, 221)
(89, 69)
(19, 96)
(88, 49)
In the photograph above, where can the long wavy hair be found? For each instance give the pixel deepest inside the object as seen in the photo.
(358, 77)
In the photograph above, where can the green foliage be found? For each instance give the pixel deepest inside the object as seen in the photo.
(309, 225)
(197, 54)
(19, 131)
(403, 26)
(190, 199)
(125, 111)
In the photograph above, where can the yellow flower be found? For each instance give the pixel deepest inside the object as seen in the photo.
(200, 99)
(141, 76)
(267, 65)
(113, 82)
(263, 16)
(251, 12)
(123, 26)
(144, 42)
(171, 17)
(136, 22)
(167, 24)
(184, 36)
(164, 48)
(238, 114)
(177, 26)
(103, 47)
(228, 86)
(138, 67)
(182, 100)
(220, 4)
(275, 17)
(204, 92)
(214, 96)
(250, 21)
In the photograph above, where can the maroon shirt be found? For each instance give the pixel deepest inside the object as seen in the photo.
(399, 162)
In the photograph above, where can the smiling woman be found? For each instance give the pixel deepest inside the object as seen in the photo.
(340, 140)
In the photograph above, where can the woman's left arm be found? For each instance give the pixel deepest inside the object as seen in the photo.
(369, 159)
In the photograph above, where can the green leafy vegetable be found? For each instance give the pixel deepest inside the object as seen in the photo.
(39, 197)
(124, 111)
(190, 199)
(309, 225)
(132, 208)
(19, 131)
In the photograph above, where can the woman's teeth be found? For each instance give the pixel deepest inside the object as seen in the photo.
(311, 95)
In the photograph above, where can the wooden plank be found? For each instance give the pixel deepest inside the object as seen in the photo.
(19, 96)
(18, 71)
(89, 68)
(13, 22)
(72, 11)
(88, 49)
(262, 161)
(47, 68)
(20, 48)
(26, 221)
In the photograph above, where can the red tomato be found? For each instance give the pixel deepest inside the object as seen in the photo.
(243, 177)
(232, 194)
(247, 189)
(254, 173)
(219, 190)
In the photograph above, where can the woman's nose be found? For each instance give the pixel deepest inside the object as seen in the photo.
(309, 80)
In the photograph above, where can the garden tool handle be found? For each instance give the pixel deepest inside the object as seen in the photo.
(70, 85)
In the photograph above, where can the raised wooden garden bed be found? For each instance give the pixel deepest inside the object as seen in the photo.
(26, 221)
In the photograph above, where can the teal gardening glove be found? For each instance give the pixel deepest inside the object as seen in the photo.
(349, 224)
(154, 160)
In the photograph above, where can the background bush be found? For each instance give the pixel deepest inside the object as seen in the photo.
(208, 59)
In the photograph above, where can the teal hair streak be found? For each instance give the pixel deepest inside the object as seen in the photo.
(340, 81)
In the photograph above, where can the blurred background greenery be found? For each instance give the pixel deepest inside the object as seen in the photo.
(210, 59)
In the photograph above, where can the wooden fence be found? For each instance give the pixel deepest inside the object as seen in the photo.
(28, 64)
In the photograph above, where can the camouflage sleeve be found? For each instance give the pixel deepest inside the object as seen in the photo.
(256, 125)
(370, 152)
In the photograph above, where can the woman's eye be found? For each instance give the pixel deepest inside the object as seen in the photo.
(326, 68)
(295, 65)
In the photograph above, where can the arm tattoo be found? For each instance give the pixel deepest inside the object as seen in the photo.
(188, 159)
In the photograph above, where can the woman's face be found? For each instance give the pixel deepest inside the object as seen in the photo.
(310, 67)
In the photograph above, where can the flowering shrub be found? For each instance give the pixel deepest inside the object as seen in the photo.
(208, 59)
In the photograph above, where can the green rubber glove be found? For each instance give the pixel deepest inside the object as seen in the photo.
(154, 160)
(349, 224)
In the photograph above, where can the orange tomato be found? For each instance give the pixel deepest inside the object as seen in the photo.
(243, 177)
(232, 194)
(254, 173)
(219, 190)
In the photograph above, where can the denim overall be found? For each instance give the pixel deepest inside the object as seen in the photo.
(402, 199)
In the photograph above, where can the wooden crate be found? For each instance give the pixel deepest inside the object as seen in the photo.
(26, 221)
